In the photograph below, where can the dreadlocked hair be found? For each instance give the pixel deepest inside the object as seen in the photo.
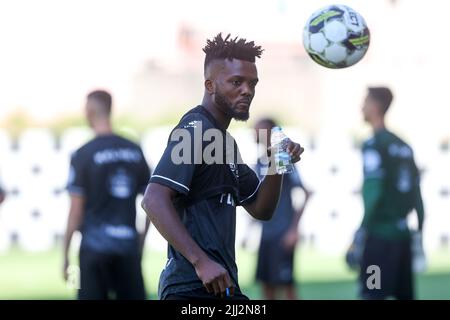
(227, 48)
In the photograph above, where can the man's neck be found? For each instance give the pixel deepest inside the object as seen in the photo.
(378, 124)
(222, 118)
(102, 129)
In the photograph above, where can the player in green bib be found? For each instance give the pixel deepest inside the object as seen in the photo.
(391, 190)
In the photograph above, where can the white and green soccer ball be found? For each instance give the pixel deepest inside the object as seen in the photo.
(336, 36)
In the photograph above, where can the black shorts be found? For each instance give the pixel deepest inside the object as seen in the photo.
(105, 276)
(275, 263)
(394, 259)
(202, 294)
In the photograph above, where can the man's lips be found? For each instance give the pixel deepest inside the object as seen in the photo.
(244, 103)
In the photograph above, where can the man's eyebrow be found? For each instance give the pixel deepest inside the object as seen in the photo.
(240, 77)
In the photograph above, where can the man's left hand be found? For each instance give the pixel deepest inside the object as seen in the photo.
(295, 150)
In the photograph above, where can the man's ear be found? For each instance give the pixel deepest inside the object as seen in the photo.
(209, 86)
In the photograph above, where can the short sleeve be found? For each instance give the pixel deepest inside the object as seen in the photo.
(248, 184)
(76, 183)
(373, 163)
(177, 165)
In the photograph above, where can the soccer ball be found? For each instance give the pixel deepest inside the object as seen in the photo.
(336, 37)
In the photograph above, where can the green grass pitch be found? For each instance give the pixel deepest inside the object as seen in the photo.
(26, 275)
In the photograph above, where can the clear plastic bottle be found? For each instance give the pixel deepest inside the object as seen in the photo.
(279, 142)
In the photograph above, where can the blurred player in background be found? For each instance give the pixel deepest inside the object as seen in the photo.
(2, 194)
(280, 234)
(193, 205)
(106, 175)
(391, 190)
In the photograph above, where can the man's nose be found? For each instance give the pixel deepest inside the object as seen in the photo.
(246, 90)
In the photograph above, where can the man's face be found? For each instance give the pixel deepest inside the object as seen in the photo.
(233, 86)
(370, 109)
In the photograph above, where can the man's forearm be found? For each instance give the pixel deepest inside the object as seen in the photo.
(267, 198)
(296, 219)
(73, 221)
(419, 208)
(67, 240)
(298, 213)
(72, 226)
(165, 218)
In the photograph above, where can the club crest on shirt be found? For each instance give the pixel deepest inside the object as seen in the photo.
(191, 124)
(120, 184)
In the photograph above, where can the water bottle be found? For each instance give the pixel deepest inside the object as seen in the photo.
(279, 142)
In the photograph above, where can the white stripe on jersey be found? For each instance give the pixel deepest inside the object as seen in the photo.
(173, 181)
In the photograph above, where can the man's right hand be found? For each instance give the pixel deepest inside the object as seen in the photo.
(214, 277)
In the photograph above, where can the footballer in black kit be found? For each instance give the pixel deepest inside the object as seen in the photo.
(192, 200)
(106, 175)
